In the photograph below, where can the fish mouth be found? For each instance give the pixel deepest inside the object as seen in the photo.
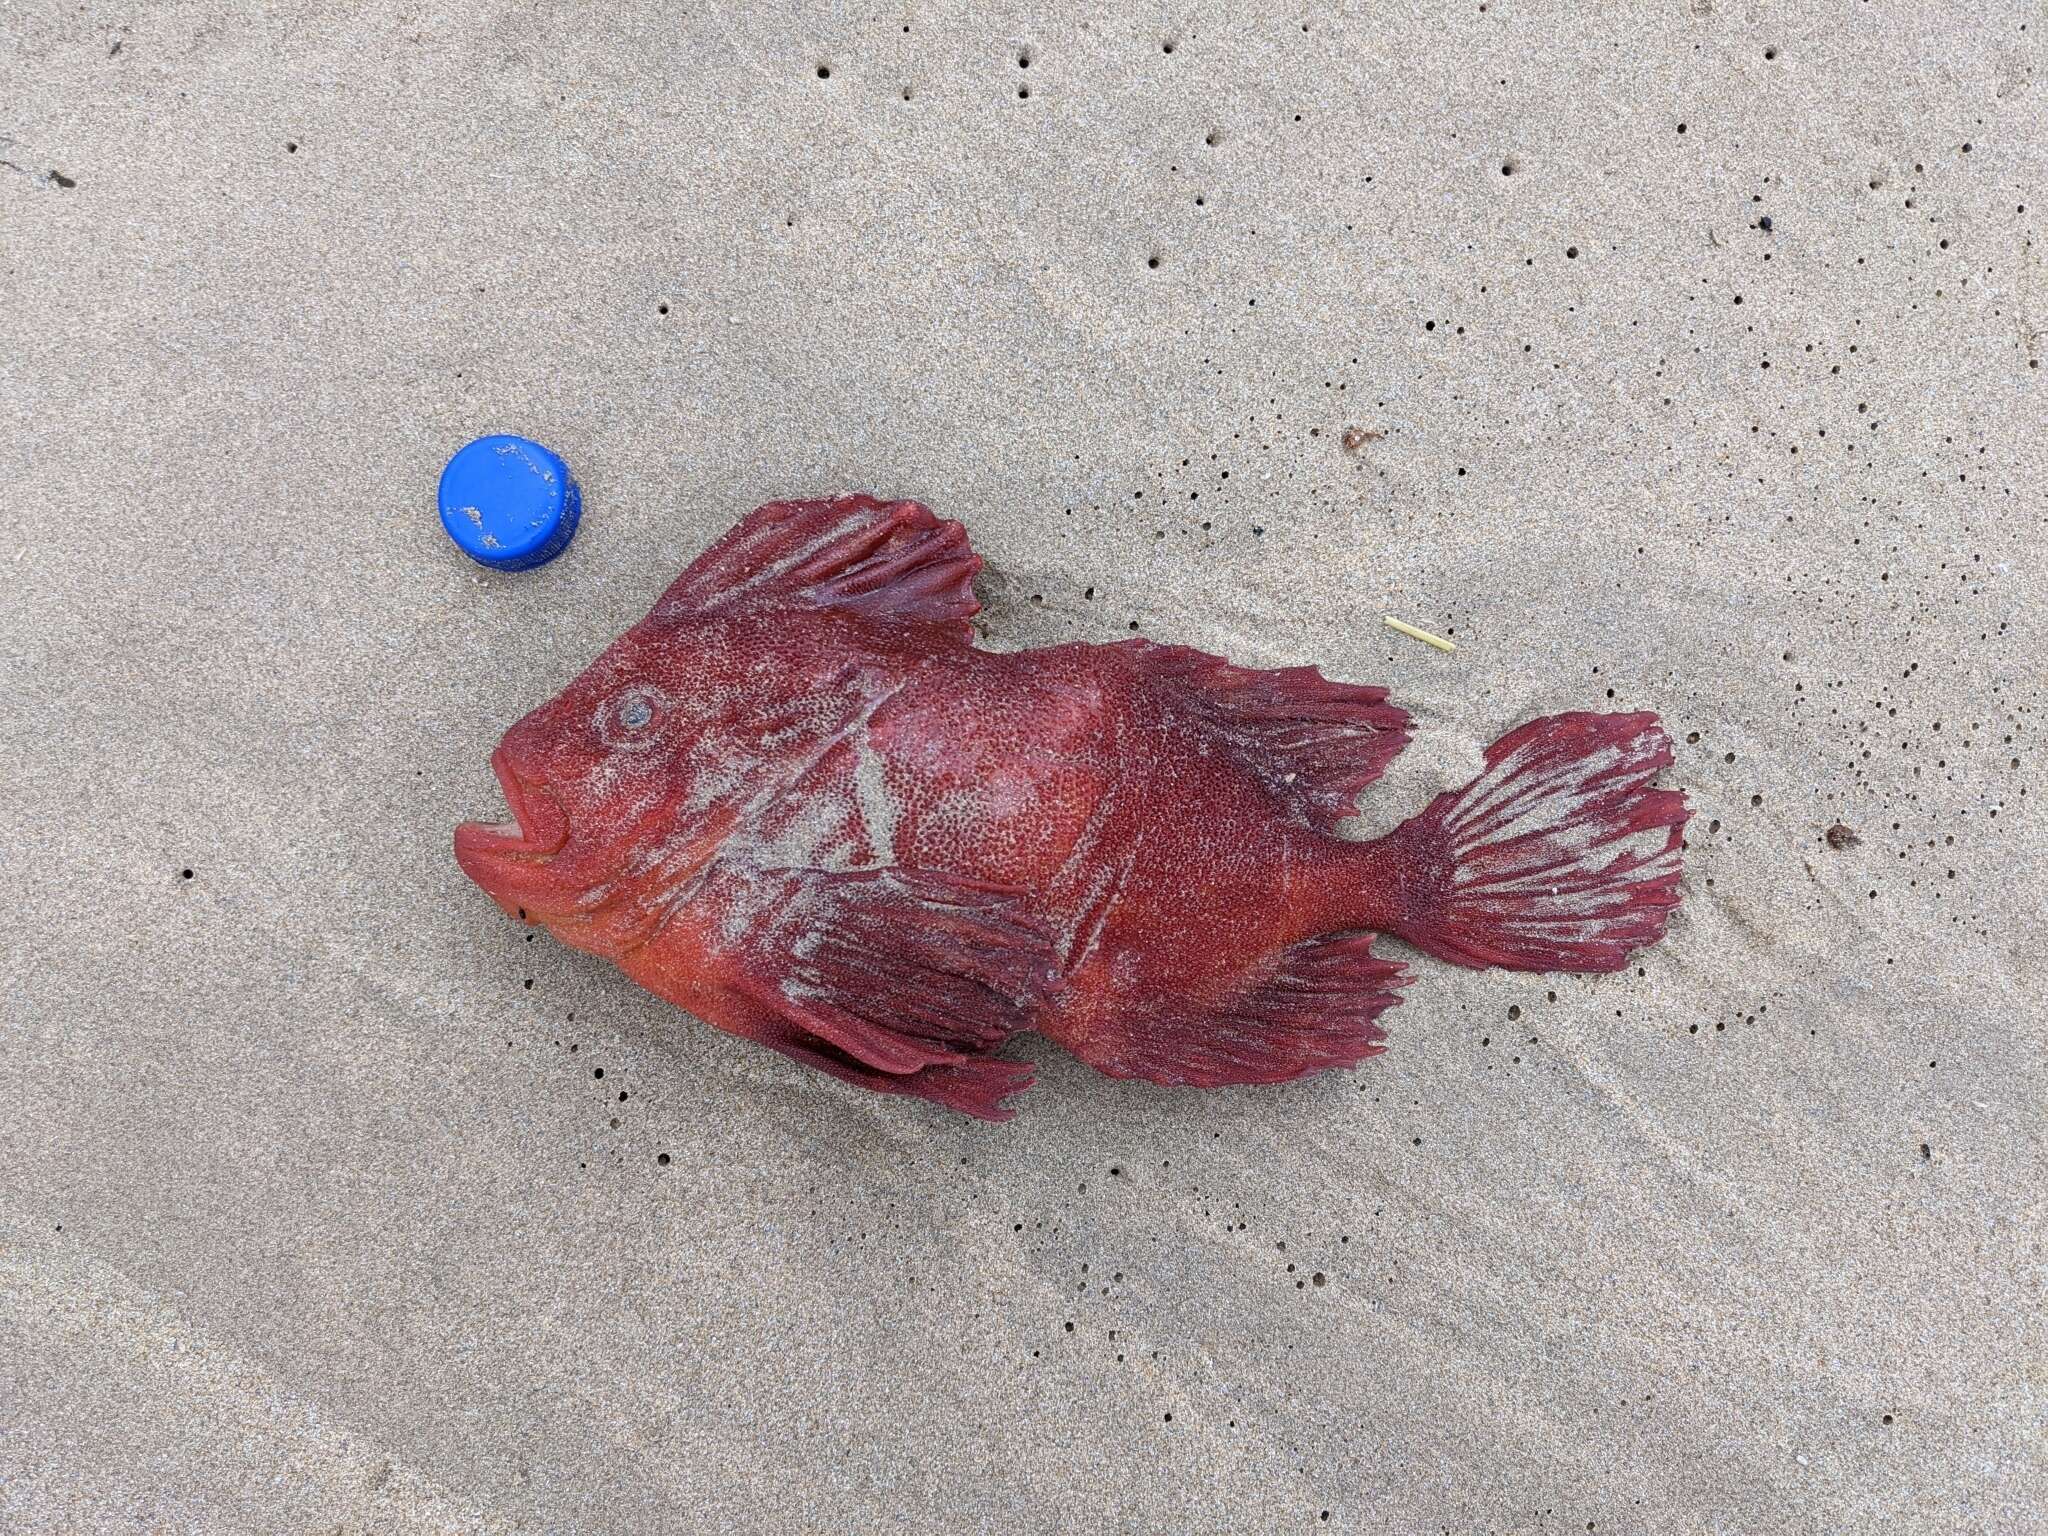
(538, 828)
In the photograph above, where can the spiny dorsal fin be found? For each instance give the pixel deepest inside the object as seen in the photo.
(887, 559)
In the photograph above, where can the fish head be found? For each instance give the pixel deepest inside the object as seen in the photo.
(598, 781)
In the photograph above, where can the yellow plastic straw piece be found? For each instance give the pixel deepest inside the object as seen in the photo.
(1420, 634)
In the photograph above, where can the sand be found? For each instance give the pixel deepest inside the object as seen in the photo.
(1693, 354)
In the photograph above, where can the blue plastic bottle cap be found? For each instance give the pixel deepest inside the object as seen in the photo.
(509, 503)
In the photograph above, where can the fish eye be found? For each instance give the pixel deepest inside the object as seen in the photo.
(625, 718)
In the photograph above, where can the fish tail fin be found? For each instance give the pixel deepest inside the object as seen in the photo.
(1559, 857)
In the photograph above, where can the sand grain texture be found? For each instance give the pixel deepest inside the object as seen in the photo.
(1242, 332)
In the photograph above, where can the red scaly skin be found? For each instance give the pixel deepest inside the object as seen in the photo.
(796, 801)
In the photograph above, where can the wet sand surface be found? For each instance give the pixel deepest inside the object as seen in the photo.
(1685, 360)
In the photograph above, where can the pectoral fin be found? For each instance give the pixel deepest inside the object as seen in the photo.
(900, 980)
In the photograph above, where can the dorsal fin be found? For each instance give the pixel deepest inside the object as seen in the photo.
(1313, 743)
(888, 559)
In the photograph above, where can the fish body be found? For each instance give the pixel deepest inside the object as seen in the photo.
(797, 801)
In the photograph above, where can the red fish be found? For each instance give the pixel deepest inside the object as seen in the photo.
(796, 801)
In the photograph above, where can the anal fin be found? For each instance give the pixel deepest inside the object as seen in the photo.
(1306, 1008)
